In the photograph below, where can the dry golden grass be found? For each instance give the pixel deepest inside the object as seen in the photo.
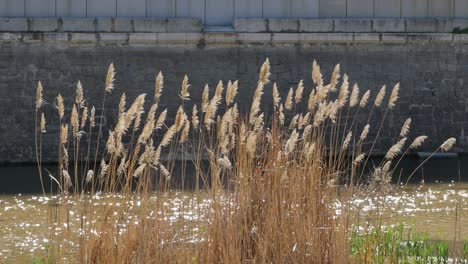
(272, 186)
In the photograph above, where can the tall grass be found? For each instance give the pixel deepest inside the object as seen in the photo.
(267, 185)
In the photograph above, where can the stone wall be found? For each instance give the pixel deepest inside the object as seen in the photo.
(432, 69)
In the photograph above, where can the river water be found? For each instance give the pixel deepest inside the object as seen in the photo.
(439, 209)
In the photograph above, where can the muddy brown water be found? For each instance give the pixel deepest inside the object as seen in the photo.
(439, 209)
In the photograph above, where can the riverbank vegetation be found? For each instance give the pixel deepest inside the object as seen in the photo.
(268, 187)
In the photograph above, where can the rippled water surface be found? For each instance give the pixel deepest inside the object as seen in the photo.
(439, 209)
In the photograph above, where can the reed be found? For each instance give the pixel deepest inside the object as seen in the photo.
(264, 191)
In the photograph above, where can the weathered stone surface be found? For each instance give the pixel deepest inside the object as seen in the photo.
(421, 25)
(78, 25)
(122, 24)
(353, 25)
(44, 24)
(250, 25)
(283, 25)
(184, 25)
(315, 25)
(150, 25)
(388, 25)
(13, 24)
(432, 75)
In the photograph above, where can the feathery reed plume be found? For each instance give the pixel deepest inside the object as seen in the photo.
(110, 78)
(312, 100)
(158, 87)
(251, 144)
(344, 92)
(448, 144)
(347, 141)
(264, 72)
(335, 77)
(393, 96)
(354, 98)
(224, 163)
(256, 102)
(380, 96)
(43, 123)
(64, 134)
(320, 115)
(79, 99)
(92, 117)
(288, 104)
(179, 119)
(418, 142)
(110, 145)
(165, 172)
(168, 136)
(39, 100)
(231, 92)
(139, 171)
(293, 123)
(364, 133)
(185, 131)
(364, 99)
(307, 132)
(161, 119)
(195, 120)
(60, 106)
(299, 91)
(281, 115)
(316, 74)
(276, 96)
(395, 149)
(184, 93)
(291, 142)
(205, 99)
(84, 117)
(213, 106)
(103, 169)
(359, 159)
(122, 104)
(89, 176)
(405, 128)
(75, 123)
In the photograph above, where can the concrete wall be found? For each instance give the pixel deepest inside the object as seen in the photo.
(222, 12)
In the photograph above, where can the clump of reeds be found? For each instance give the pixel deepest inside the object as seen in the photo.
(271, 183)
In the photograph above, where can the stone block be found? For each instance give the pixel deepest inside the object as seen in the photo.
(388, 25)
(460, 38)
(118, 38)
(194, 38)
(32, 37)
(220, 38)
(143, 38)
(315, 25)
(306, 38)
(44, 24)
(283, 25)
(104, 24)
(184, 25)
(441, 37)
(78, 24)
(172, 38)
(8, 36)
(14, 24)
(399, 38)
(339, 37)
(285, 38)
(418, 37)
(250, 25)
(150, 25)
(55, 37)
(122, 25)
(255, 38)
(353, 25)
(83, 37)
(421, 25)
(366, 37)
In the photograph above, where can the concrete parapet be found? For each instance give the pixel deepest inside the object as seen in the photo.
(14, 24)
(283, 25)
(366, 37)
(143, 38)
(150, 25)
(353, 25)
(43, 25)
(250, 25)
(388, 25)
(83, 37)
(421, 25)
(122, 25)
(315, 25)
(104, 24)
(184, 25)
(113, 38)
(78, 25)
